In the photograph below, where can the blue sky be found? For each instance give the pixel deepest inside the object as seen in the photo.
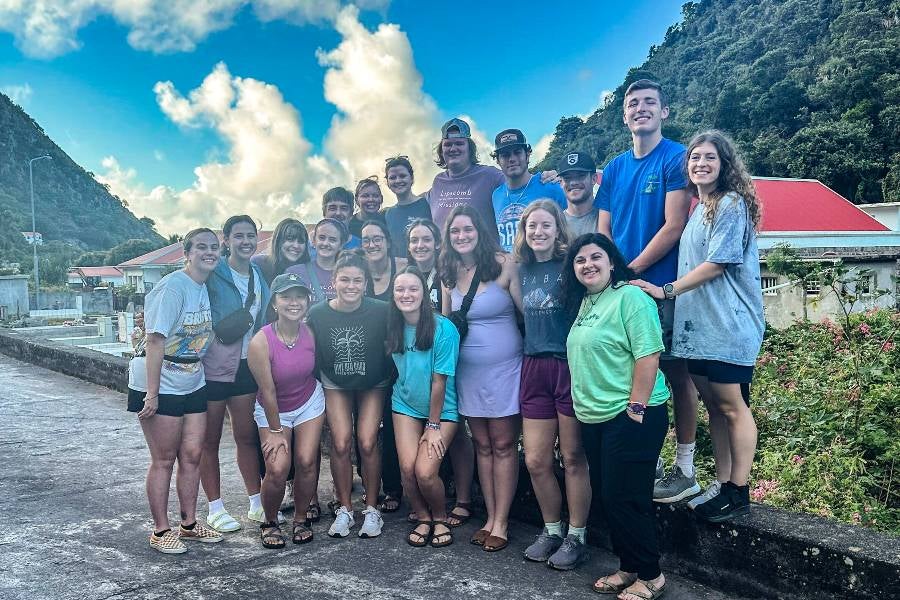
(520, 65)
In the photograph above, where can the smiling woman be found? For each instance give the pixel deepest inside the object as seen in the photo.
(166, 389)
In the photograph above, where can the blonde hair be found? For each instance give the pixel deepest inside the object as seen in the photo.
(733, 176)
(522, 251)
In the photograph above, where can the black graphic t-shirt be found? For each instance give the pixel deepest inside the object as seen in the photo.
(350, 345)
(546, 321)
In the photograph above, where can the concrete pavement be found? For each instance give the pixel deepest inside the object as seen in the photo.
(74, 524)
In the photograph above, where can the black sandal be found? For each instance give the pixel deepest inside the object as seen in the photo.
(421, 539)
(389, 503)
(271, 535)
(435, 536)
(298, 531)
(314, 512)
(460, 519)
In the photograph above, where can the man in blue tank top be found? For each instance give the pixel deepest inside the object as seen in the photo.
(644, 208)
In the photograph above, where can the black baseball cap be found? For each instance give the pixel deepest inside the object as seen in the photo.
(462, 129)
(286, 281)
(576, 161)
(509, 138)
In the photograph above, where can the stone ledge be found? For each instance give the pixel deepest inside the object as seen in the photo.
(103, 369)
(771, 553)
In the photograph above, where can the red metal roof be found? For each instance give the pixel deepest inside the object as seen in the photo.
(173, 254)
(97, 271)
(809, 205)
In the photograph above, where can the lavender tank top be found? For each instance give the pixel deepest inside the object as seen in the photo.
(292, 368)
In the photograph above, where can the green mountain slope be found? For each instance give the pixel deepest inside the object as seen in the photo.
(74, 212)
(808, 88)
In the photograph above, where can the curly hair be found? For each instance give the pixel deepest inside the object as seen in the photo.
(521, 249)
(486, 249)
(439, 153)
(733, 176)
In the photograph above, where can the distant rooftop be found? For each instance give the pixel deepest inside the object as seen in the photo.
(173, 254)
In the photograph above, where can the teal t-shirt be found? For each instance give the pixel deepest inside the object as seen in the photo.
(412, 391)
(613, 329)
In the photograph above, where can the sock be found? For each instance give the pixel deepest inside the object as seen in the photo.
(684, 458)
(189, 527)
(578, 532)
(554, 528)
(216, 506)
(161, 533)
(255, 502)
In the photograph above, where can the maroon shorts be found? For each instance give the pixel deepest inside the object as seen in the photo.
(546, 388)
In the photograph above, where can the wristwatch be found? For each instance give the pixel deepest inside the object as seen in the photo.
(669, 291)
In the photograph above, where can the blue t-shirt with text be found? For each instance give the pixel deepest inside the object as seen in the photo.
(633, 190)
(510, 204)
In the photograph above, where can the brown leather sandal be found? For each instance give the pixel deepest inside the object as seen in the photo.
(457, 518)
(440, 540)
(479, 537)
(421, 539)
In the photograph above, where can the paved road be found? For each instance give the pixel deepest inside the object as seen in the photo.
(74, 524)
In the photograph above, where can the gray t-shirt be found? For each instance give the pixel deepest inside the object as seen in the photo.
(586, 223)
(178, 308)
(546, 322)
(723, 318)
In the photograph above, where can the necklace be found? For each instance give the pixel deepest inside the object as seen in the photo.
(289, 346)
(592, 299)
(518, 197)
(468, 269)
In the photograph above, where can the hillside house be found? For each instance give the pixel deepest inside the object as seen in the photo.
(91, 277)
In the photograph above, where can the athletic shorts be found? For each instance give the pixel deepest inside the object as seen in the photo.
(723, 372)
(243, 384)
(171, 405)
(666, 309)
(307, 411)
(546, 388)
(330, 385)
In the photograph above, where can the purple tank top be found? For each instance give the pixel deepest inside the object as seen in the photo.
(292, 369)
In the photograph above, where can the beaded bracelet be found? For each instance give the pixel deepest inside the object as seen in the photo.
(436, 426)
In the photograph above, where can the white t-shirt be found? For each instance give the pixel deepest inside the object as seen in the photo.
(178, 308)
(242, 282)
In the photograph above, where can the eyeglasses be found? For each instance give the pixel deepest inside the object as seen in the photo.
(375, 240)
(398, 157)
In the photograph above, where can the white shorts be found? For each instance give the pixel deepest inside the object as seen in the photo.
(310, 409)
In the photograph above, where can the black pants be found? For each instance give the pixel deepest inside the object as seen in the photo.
(621, 454)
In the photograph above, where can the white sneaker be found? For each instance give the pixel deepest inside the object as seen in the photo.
(372, 523)
(343, 521)
(712, 490)
(259, 515)
(222, 522)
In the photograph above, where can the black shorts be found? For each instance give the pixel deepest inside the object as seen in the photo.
(723, 372)
(243, 384)
(171, 405)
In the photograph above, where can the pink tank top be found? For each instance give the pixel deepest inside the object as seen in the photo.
(292, 368)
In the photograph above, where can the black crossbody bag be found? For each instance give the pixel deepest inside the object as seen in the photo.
(459, 318)
(233, 327)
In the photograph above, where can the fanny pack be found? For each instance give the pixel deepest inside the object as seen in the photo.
(233, 326)
(182, 360)
(459, 317)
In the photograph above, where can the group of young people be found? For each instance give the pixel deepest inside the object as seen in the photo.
(501, 302)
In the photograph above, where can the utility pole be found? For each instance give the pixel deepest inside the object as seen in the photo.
(37, 277)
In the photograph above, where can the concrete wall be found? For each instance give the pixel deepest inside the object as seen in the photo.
(785, 305)
(96, 302)
(14, 294)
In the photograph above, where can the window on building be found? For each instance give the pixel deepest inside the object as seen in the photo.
(865, 285)
(813, 287)
(767, 283)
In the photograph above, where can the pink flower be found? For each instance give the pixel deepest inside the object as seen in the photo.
(762, 489)
(797, 459)
(887, 346)
(864, 328)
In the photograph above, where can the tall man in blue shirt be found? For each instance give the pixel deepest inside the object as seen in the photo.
(519, 188)
(643, 208)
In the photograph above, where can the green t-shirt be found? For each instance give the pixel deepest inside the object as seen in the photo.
(608, 336)
(412, 390)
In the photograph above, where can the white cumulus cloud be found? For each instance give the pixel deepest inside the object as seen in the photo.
(268, 170)
(48, 28)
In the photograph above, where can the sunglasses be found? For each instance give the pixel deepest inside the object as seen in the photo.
(398, 157)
